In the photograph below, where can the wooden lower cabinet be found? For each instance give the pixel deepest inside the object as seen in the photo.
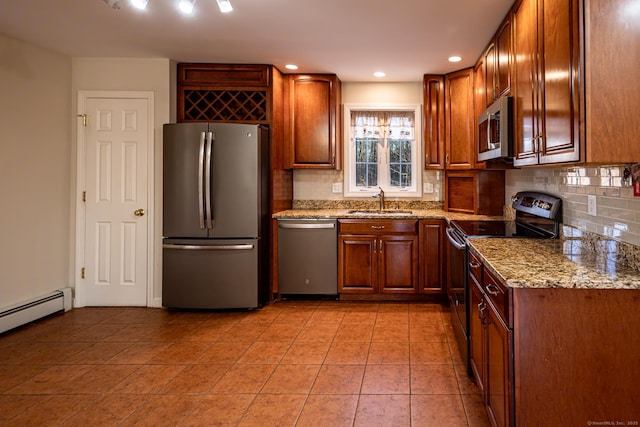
(377, 257)
(554, 356)
(491, 344)
(497, 364)
(432, 257)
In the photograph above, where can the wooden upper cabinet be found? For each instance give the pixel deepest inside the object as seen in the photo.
(312, 103)
(490, 77)
(546, 55)
(433, 89)
(504, 58)
(612, 91)
(459, 120)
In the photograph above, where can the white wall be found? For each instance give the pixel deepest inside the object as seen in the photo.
(132, 74)
(316, 184)
(35, 145)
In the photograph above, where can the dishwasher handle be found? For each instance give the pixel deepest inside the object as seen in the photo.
(301, 225)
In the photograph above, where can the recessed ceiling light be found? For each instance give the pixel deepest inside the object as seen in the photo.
(379, 74)
(291, 67)
(455, 58)
(225, 6)
(186, 6)
(140, 4)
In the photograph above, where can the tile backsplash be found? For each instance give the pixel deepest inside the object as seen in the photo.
(617, 210)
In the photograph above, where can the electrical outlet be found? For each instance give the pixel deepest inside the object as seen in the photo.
(592, 205)
(428, 188)
(336, 187)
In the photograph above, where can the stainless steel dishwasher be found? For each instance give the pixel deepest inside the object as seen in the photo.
(307, 257)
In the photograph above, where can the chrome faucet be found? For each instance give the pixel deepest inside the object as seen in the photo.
(380, 195)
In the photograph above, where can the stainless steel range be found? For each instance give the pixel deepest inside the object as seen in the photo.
(538, 215)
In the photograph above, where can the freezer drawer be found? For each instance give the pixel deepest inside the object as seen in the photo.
(218, 274)
(307, 257)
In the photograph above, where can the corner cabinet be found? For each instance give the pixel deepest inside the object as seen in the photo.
(377, 256)
(312, 115)
(459, 121)
(546, 51)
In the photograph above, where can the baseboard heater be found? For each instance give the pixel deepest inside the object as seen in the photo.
(34, 309)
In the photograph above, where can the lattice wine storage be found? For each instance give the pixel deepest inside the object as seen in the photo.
(225, 105)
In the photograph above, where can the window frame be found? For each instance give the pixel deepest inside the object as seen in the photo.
(350, 189)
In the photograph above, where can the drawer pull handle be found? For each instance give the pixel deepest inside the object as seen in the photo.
(378, 227)
(492, 289)
(474, 264)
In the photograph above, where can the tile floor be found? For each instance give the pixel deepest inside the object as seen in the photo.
(291, 363)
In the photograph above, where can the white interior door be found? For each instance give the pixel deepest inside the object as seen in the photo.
(116, 202)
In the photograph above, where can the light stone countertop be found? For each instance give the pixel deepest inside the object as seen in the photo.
(561, 263)
(389, 214)
(576, 260)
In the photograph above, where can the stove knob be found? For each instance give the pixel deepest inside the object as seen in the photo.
(546, 206)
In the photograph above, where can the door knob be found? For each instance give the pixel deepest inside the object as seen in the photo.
(139, 212)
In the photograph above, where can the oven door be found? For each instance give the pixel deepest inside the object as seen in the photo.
(458, 290)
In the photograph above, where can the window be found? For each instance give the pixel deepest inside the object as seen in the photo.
(382, 150)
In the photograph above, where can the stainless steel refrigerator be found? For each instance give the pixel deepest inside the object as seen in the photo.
(215, 215)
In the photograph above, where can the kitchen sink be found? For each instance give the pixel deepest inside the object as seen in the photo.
(385, 212)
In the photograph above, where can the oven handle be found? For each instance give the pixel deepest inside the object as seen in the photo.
(454, 239)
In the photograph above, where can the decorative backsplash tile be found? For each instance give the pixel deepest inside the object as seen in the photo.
(617, 210)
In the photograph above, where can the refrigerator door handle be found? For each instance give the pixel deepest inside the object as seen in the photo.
(201, 181)
(243, 247)
(207, 192)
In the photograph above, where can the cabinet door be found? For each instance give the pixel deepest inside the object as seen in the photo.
(398, 264)
(503, 58)
(497, 380)
(431, 257)
(477, 333)
(433, 87)
(559, 80)
(313, 131)
(525, 48)
(490, 64)
(459, 120)
(357, 264)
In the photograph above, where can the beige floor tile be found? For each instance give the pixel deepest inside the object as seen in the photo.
(243, 379)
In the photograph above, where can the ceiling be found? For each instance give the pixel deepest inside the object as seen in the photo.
(351, 38)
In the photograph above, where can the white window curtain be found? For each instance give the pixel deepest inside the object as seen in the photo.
(383, 124)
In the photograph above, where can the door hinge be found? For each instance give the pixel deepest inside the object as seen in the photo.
(84, 119)
(84, 196)
(82, 273)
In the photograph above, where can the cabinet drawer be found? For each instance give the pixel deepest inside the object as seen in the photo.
(380, 226)
(498, 295)
(475, 267)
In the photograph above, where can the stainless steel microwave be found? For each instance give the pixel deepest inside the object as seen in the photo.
(495, 130)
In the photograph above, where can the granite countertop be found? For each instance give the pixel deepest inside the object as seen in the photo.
(388, 214)
(557, 263)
